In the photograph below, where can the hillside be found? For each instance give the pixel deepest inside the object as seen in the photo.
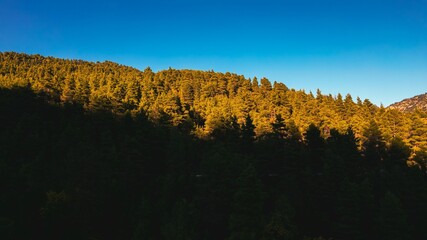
(105, 151)
(201, 101)
(411, 104)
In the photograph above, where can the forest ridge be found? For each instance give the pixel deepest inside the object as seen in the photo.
(105, 151)
(202, 101)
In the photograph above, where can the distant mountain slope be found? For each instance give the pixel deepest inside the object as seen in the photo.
(411, 104)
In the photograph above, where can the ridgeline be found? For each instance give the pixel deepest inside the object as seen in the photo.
(412, 104)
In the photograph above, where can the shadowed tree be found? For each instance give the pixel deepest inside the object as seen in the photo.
(248, 134)
(281, 225)
(392, 219)
(421, 159)
(180, 223)
(246, 215)
(279, 127)
(374, 146)
(315, 147)
(397, 153)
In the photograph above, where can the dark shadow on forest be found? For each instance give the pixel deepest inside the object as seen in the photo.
(68, 173)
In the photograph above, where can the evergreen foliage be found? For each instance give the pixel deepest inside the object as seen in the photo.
(105, 151)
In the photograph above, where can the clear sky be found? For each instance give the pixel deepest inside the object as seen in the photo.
(368, 48)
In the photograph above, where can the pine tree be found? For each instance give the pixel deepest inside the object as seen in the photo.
(392, 220)
(281, 224)
(398, 153)
(315, 147)
(265, 84)
(246, 217)
(248, 133)
(373, 145)
(279, 127)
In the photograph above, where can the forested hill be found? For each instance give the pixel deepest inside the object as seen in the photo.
(202, 101)
(418, 102)
(105, 151)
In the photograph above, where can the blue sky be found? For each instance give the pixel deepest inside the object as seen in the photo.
(368, 48)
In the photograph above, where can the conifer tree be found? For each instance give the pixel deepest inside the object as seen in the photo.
(373, 146)
(392, 220)
(246, 217)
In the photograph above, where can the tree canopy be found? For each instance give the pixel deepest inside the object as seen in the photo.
(105, 151)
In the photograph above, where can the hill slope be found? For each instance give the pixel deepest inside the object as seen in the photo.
(411, 104)
(104, 151)
(201, 102)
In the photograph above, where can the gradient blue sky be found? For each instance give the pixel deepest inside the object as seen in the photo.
(369, 48)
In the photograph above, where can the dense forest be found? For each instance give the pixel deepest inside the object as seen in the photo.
(105, 151)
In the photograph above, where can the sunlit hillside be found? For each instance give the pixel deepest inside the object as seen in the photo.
(105, 151)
